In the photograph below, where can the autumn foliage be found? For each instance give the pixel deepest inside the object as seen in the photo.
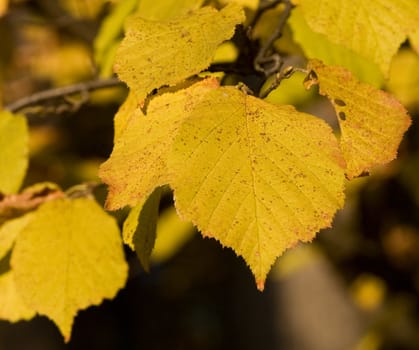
(256, 175)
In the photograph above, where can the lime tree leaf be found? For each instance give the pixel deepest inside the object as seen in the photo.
(375, 29)
(12, 307)
(8, 233)
(251, 4)
(414, 40)
(157, 53)
(172, 234)
(131, 108)
(68, 257)
(13, 151)
(256, 176)
(371, 121)
(139, 231)
(161, 10)
(404, 78)
(108, 38)
(137, 164)
(316, 45)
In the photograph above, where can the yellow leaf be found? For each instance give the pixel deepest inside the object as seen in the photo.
(13, 151)
(12, 308)
(404, 78)
(157, 53)
(372, 122)
(256, 176)
(139, 231)
(163, 10)
(129, 109)
(8, 233)
(375, 29)
(226, 52)
(172, 233)
(251, 4)
(316, 45)
(108, 38)
(137, 164)
(414, 40)
(68, 257)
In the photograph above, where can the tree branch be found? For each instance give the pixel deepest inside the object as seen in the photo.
(62, 93)
(263, 6)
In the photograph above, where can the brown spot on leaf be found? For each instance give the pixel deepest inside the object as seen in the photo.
(340, 102)
(342, 116)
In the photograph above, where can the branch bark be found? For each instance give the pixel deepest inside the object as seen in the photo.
(265, 61)
(61, 92)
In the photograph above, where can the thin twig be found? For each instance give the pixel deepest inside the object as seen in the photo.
(284, 74)
(61, 92)
(263, 57)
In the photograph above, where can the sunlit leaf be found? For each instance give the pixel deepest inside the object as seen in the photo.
(139, 230)
(163, 10)
(414, 40)
(251, 4)
(374, 29)
(12, 307)
(108, 38)
(372, 122)
(157, 53)
(226, 52)
(138, 161)
(316, 45)
(256, 176)
(68, 257)
(8, 233)
(13, 151)
(404, 78)
(131, 108)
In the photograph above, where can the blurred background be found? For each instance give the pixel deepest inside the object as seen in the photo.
(355, 287)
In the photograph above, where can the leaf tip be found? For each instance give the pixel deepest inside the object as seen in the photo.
(260, 284)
